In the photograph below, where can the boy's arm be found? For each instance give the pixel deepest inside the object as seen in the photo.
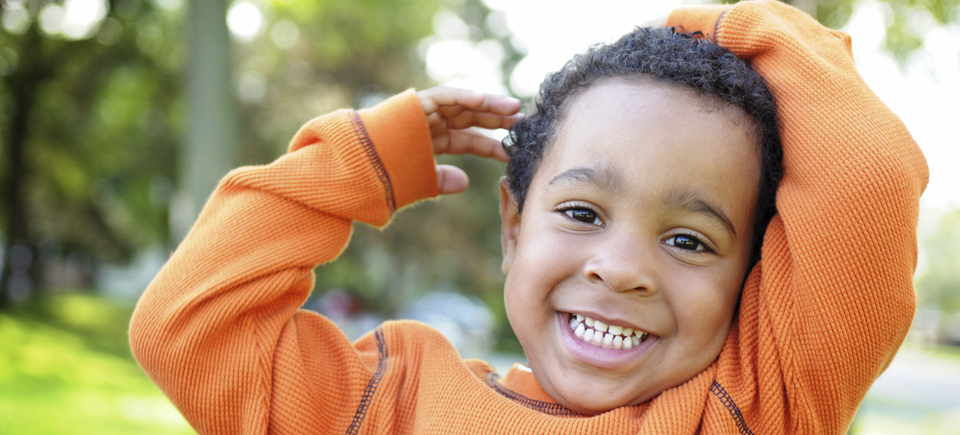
(218, 328)
(207, 328)
(824, 312)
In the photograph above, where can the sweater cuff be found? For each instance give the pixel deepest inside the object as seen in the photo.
(704, 18)
(401, 136)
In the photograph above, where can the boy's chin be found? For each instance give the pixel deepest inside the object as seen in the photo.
(593, 396)
(595, 404)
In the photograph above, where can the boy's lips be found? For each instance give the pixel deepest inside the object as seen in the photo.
(596, 354)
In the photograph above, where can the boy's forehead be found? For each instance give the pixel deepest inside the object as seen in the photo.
(651, 89)
(658, 100)
(614, 121)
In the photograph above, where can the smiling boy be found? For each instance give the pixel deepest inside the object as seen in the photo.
(632, 176)
(633, 213)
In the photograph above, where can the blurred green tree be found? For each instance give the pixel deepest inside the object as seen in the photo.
(94, 113)
(294, 60)
(88, 99)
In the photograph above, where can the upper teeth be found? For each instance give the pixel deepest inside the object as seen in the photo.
(600, 334)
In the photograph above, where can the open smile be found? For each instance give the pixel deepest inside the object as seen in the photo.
(607, 336)
(602, 345)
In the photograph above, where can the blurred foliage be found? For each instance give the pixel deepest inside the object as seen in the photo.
(103, 113)
(109, 116)
(102, 129)
(68, 356)
(90, 129)
(906, 19)
(313, 57)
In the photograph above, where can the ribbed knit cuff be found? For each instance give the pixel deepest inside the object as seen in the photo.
(703, 18)
(401, 136)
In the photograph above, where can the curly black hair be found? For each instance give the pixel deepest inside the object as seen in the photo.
(671, 56)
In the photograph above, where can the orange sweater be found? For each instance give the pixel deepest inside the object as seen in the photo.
(820, 317)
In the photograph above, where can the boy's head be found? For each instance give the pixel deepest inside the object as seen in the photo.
(636, 196)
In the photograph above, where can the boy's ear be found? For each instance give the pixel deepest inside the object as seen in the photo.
(509, 224)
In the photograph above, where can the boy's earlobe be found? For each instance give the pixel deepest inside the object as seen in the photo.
(509, 224)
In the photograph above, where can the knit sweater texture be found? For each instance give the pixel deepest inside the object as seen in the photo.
(821, 316)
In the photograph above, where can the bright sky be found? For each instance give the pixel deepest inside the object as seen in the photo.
(925, 96)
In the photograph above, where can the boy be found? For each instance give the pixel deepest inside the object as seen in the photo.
(792, 349)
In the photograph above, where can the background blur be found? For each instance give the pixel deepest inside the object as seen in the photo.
(118, 117)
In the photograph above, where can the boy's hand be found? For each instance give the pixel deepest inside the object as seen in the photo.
(451, 112)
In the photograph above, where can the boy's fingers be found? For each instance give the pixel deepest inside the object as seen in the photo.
(451, 179)
(504, 105)
(440, 125)
(471, 142)
(451, 112)
(432, 99)
(512, 119)
(479, 119)
(450, 101)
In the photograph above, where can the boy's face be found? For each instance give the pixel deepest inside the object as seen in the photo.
(640, 216)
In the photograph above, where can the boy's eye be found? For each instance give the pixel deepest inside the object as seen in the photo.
(583, 215)
(686, 242)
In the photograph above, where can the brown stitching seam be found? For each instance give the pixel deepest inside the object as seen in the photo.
(732, 408)
(361, 131)
(536, 405)
(371, 386)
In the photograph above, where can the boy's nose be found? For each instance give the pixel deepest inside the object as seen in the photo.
(623, 264)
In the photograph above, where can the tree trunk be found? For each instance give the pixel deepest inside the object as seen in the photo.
(21, 264)
(212, 144)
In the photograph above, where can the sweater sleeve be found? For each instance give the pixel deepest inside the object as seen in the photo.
(218, 328)
(832, 299)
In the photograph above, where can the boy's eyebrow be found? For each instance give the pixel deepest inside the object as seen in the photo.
(603, 176)
(690, 200)
(607, 178)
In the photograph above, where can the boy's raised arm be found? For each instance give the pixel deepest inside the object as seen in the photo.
(218, 329)
(825, 311)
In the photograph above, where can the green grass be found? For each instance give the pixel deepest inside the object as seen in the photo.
(66, 368)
